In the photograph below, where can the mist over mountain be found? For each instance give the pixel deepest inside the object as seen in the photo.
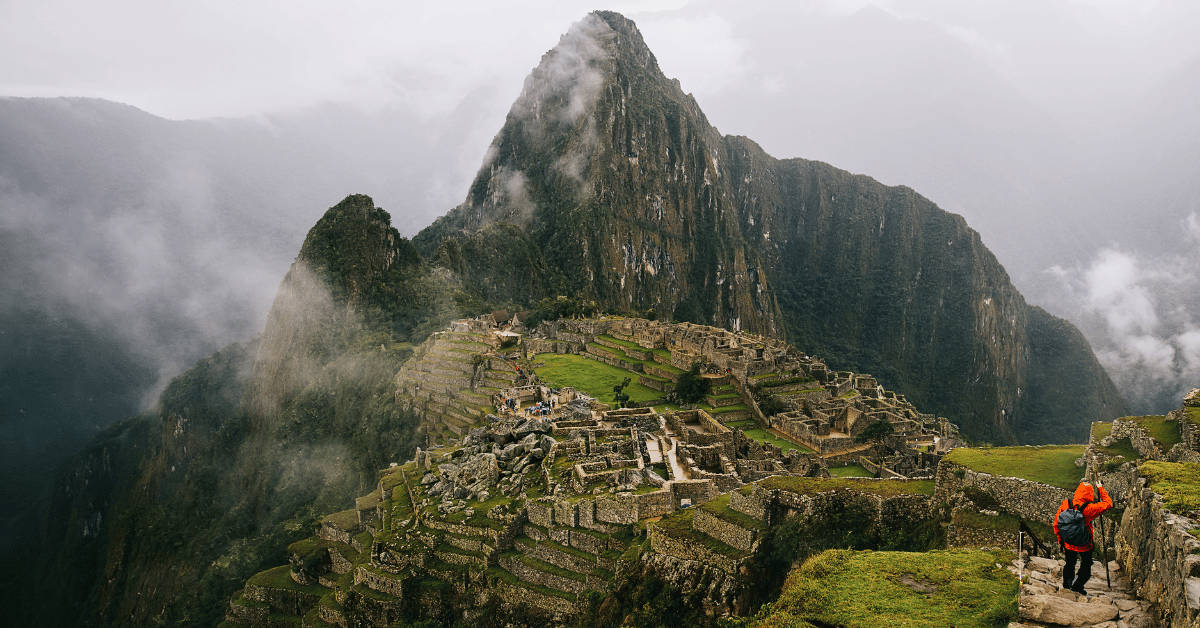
(133, 245)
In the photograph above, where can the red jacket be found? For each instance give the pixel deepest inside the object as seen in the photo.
(1083, 495)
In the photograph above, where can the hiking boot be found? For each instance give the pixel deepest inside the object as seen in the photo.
(1081, 591)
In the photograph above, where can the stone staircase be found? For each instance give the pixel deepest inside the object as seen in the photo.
(1043, 601)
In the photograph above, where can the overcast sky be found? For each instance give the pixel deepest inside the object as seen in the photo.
(182, 59)
(1065, 131)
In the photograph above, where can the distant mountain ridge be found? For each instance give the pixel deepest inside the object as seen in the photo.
(607, 182)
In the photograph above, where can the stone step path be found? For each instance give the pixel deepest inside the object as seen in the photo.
(1043, 601)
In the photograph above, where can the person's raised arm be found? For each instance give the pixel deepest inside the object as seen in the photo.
(1096, 508)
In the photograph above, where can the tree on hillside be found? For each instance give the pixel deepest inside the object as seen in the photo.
(691, 387)
(619, 395)
(878, 430)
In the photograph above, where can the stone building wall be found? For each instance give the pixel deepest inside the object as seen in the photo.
(655, 503)
(696, 490)
(620, 509)
(1160, 556)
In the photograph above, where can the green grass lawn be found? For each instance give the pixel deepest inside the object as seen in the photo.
(592, 377)
(850, 471)
(1101, 430)
(763, 436)
(886, 488)
(1049, 464)
(964, 588)
(1160, 429)
(1177, 482)
(1121, 448)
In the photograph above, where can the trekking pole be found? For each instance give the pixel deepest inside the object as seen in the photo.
(1103, 539)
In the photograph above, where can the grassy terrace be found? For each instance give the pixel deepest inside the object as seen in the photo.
(850, 471)
(623, 343)
(344, 520)
(719, 506)
(280, 578)
(1177, 482)
(679, 525)
(497, 573)
(1101, 430)
(964, 588)
(592, 377)
(763, 436)
(1160, 429)
(886, 488)
(1049, 464)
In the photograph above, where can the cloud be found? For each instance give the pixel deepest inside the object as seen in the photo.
(1114, 287)
(1191, 226)
(1139, 313)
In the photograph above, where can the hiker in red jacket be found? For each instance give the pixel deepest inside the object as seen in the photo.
(1075, 536)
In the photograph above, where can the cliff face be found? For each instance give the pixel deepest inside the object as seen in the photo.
(608, 183)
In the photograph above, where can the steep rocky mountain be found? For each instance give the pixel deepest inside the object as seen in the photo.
(607, 182)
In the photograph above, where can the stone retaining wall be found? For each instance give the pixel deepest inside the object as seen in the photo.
(445, 526)
(1160, 556)
(512, 596)
(286, 601)
(723, 531)
(378, 581)
(665, 544)
(537, 576)
(559, 558)
(1029, 500)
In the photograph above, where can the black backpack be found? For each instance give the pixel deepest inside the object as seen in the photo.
(1072, 528)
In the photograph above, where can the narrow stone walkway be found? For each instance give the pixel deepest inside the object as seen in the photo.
(1043, 601)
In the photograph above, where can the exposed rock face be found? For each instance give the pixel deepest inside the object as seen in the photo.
(607, 182)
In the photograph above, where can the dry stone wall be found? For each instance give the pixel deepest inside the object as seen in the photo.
(1161, 556)
(723, 531)
(1029, 500)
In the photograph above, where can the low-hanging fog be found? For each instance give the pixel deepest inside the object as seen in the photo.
(157, 230)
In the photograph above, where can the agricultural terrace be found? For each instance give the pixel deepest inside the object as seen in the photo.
(592, 378)
(1048, 464)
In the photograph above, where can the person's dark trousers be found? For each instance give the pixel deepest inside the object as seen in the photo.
(1070, 579)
